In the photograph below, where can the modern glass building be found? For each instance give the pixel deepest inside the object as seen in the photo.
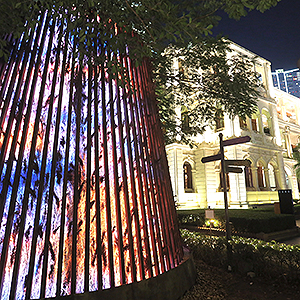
(287, 81)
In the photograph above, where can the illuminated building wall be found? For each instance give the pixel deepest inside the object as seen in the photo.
(274, 130)
(85, 195)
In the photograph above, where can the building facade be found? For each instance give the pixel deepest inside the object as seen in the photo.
(274, 130)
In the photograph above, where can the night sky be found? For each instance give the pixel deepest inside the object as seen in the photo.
(273, 35)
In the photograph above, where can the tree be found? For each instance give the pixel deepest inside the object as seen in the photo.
(296, 157)
(147, 27)
(207, 85)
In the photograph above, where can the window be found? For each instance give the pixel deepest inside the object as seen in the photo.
(255, 121)
(221, 186)
(266, 125)
(185, 119)
(272, 178)
(187, 177)
(283, 136)
(267, 130)
(243, 123)
(248, 177)
(254, 124)
(260, 177)
(288, 174)
(219, 119)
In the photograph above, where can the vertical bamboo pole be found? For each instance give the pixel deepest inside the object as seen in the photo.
(22, 147)
(133, 193)
(15, 134)
(88, 184)
(77, 106)
(107, 184)
(42, 171)
(156, 158)
(128, 218)
(141, 203)
(115, 185)
(54, 160)
(65, 181)
(97, 179)
(146, 173)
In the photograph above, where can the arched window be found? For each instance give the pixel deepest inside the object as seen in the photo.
(261, 176)
(272, 178)
(266, 122)
(283, 136)
(254, 123)
(243, 123)
(185, 119)
(221, 186)
(288, 175)
(248, 177)
(187, 177)
(219, 119)
(266, 127)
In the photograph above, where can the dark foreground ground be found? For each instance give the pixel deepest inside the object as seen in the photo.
(214, 283)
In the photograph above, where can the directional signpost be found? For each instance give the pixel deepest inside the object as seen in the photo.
(229, 169)
(238, 162)
(235, 141)
(228, 166)
(211, 158)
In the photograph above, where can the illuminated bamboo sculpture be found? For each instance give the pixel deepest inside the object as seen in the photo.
(80, 154)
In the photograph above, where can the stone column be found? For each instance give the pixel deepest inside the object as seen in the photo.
(254, 177)
(287, 139)
(267, 179)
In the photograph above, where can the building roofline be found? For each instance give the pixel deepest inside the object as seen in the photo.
(248, 51)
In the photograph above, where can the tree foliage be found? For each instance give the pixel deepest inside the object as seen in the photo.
(157, 22)
(296, 156)
(148, 27)
(207, 84)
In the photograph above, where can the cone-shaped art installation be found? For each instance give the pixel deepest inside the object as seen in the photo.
(85, 196)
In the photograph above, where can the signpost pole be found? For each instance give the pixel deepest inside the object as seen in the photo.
(227, 225)
(224, 184)
(227, 167)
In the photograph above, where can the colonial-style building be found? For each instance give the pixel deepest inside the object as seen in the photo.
(274, 130)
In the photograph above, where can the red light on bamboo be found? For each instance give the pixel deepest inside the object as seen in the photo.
(85, 196)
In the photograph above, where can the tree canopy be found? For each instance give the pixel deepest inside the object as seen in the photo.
(296, 157)
(157, 22)
(148, 27)
(206, 84)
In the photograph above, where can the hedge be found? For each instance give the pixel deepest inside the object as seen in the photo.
(275, 261)
(243, 220)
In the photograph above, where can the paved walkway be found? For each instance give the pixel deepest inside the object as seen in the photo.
(296, 240)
